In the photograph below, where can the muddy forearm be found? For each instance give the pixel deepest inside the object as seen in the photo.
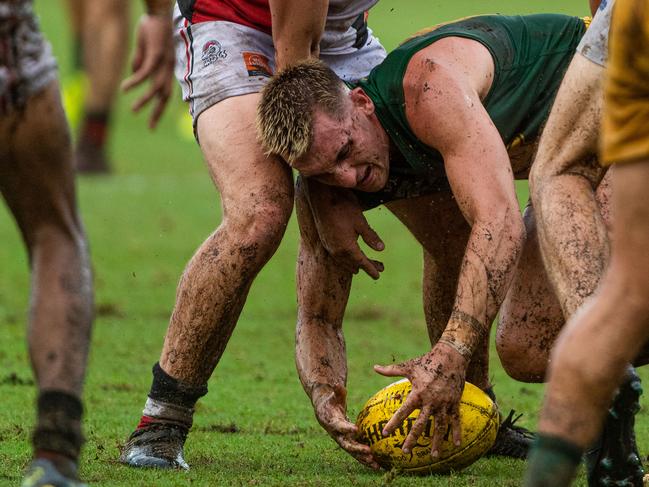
(297, 28)
(322, 294)
(320, 357)
(320, 345)
(487, 269)
(319, 195)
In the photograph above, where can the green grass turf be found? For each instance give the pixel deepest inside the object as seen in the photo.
(256, 426)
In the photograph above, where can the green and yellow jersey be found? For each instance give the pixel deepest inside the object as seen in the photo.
(531, 54)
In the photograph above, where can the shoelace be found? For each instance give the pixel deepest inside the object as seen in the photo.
(510, 423)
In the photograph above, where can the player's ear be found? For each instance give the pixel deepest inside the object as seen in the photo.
(361, 101)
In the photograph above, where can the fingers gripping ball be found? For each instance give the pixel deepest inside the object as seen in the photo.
(479, 421)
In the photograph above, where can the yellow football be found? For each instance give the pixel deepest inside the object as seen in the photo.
(479, 420)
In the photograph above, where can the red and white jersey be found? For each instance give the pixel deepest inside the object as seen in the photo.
(256, 13)
(252, 13)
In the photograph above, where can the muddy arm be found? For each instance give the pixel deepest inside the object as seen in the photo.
(323, 290)
(297, 28)
(322, 293)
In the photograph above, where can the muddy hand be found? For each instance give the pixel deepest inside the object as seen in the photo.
(340, 223)
(154, 61)
(437, 380)
(330, 409)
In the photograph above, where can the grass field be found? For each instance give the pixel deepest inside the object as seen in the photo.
(256, 426)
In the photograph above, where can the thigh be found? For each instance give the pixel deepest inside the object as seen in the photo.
(111, 9)
(629, 268)
(531, 307)
(36, 173)
(106, 29)
(218, 60)
(249, 182)
(631, 225)
(563, 181)
(569, 142)
(221, 68)
(531, 313)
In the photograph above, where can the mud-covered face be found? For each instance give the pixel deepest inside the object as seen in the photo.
(351, 151)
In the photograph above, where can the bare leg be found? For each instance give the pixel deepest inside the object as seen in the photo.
(105, 45)
(571, 231)
(531, 318)
(567, 227)
(575, 220)
(614, 324)
(257, 198)
(105, 42)
(38, 184)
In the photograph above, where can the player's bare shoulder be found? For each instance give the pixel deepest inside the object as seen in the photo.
(435, 91)
(463, 61)
(444, 81)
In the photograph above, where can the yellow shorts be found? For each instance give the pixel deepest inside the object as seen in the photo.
(625, 125)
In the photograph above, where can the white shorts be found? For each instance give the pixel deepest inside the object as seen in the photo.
(218, 60)
(594, 44)
(26, 62)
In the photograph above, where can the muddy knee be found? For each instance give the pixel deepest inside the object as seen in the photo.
(52, 226)
(259, 230)
(523, 356)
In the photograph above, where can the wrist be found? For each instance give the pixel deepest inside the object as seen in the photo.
(457, 346)
(319, 392)
(464, 333)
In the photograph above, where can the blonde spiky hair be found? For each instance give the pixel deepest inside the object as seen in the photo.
(285, 112)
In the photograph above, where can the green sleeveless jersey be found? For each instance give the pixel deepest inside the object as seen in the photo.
(530, 54)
